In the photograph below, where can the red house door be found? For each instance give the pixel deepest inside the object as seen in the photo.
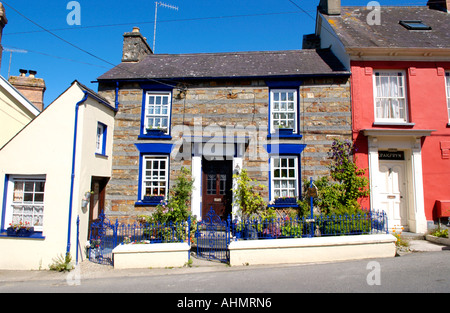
(216, 184)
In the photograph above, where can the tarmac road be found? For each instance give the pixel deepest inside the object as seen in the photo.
(424, 272)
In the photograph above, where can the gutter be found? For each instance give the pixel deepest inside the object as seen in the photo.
(69, 226)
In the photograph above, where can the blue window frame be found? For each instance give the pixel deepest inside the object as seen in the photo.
(284, 99)
(284, 174)
(156, 112)
(100, 142)
(154, 170)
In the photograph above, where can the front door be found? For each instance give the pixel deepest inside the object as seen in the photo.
(97, 199)
(392, 193)
(216, 185)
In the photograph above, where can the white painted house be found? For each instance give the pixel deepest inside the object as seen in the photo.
(46, 171)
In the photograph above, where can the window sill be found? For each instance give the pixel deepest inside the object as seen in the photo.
(164, 137)
(393, 124)
(287, 205)
(101, 155)
(292, 136)
(35, 235)
(146, 203)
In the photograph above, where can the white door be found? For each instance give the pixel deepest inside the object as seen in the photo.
(392, 193)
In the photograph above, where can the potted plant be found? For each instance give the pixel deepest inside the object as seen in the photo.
(286, 200)
(158, 131)
(21, 229)
(284, 130)
(154, 198)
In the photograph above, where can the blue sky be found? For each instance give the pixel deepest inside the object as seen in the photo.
(84, 52)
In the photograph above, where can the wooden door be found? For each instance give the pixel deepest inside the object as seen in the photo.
(97, 199)
(216, 187)
(392, 192)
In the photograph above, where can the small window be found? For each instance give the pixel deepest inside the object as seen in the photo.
(25, 201)
(284, 172)
(283, 106)
(390, 97)
(100, 143)
(447, 82)
(415, 25)
(155, 171)
(157, 113)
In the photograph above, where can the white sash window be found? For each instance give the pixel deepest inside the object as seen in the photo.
(390, 97)
(447, 82)
(284, 173)
(155, 176)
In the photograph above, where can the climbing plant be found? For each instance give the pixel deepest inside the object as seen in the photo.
(339, 193)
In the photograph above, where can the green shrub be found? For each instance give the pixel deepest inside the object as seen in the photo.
(176, 208)
(440, 233)
(62, 263)
(339, 193)
(249, 200)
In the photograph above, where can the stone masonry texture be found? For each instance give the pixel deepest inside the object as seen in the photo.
(239, 105)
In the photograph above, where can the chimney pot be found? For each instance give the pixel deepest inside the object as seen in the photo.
(330, 7)
(135, 46)
(30, 87)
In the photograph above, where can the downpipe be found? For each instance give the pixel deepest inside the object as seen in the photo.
(72, 178)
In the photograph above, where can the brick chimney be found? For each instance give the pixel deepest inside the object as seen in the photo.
(135, 46)
(441, 5)
(330, 7)
(3, 22)
(30, 87)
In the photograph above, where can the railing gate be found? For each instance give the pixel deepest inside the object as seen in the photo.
(213, 237)
(102, 240)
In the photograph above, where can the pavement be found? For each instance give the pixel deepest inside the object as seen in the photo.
(86, 269)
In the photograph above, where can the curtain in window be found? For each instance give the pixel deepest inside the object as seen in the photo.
(390, 98)
(447, 77)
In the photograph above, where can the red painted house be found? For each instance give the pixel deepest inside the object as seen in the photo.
(399, 58)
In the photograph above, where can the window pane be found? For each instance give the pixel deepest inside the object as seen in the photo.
(390, 101)
(29, 186)
(284, 177)
(154, 181)
(28, 197)
(39, 197)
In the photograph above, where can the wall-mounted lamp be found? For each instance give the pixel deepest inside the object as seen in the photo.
(86, 198)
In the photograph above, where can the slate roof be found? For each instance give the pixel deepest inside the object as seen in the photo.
(290, 63)
(354, 31)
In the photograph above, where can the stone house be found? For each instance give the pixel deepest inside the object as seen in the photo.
(273, 113)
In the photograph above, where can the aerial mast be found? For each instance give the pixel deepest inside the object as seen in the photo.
(164, 5)
(10, 56)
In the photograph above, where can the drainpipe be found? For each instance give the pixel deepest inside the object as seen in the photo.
(117, 96)
(69, 226)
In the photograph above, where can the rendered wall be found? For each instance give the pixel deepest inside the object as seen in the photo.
(307, 250)
(427, 106)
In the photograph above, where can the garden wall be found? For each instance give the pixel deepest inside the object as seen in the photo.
(307, 250)
(154, 255)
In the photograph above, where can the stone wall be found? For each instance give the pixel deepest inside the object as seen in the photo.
(215, 108)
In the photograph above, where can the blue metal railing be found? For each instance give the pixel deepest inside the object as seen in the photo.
(370, 222)
(212, 237)
(104, 236)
